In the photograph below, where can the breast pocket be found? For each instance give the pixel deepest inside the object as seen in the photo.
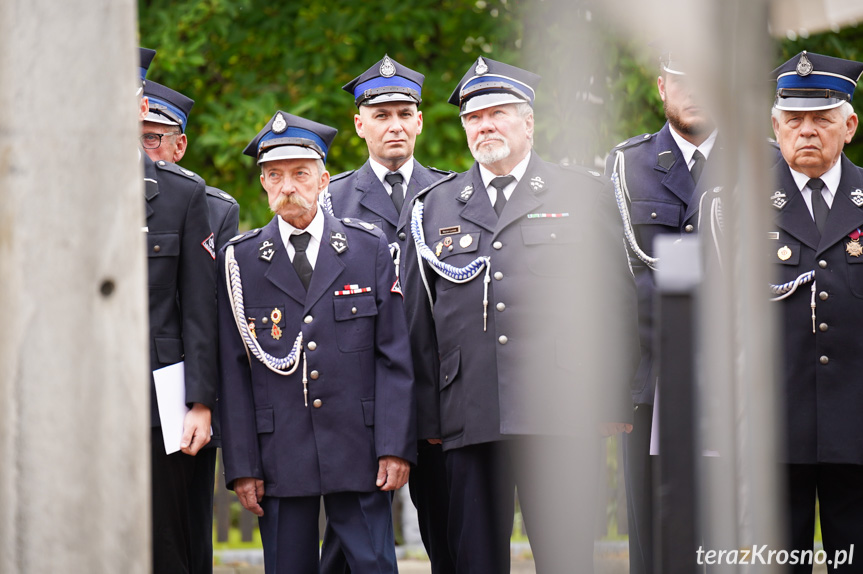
(267, 326)
(854, 259)
(652, 218)
(550, 248)
(355, 321)
(163, 254)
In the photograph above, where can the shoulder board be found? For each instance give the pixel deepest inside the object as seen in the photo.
(632, 142)
(773, 143)
(243, 236)
(174, 168)
(446, 178)
(438, 170)
(214, 192)
(342, 175)
(360, 224)
(588, 172)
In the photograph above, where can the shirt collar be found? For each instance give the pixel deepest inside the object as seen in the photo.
(831, 178)
(517, 172)
(315, 228)
(406, 170)
(688, 148)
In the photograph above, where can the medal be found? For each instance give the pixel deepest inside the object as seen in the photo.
(447, 241)
(252, 327)
(853, 248)
(276, 332)
(276, 316)
(784, 253)
(465, 241)
(438, 249)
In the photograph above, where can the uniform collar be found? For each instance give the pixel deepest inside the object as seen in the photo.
(831, 178)
(517, 172)
(406, 170)
(688, 149)
(315, 228)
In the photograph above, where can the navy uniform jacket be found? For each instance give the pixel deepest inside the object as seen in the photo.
(360, 194)
(225, 222)
(181, 279)
(662, 200)
(822, 387)
(478, 386)
(358, 366)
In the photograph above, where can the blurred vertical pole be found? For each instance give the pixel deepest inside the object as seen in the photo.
(74, 464)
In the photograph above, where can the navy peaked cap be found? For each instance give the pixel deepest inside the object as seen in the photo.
(489, 83)
(167, 106)
(814, 82)
(290, 137)
(386, 81)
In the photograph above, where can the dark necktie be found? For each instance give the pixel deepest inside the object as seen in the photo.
(819, 205)
(499, 183)
(301, 260)
(698, 160)
(396, 181)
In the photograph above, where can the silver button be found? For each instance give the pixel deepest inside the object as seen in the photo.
(823, 327)
(497, 245)
(312, 346)
(653, 215)
(822, 264)
(353, 310)
(314, 375)
(502, 339)
(161, 162)
(265, 320)
(446, 378)
(500, 306)
(553, 236)
(689, 228)
(824, 360)
(402, 236)
(498, 275)
(823, 295)
(307, 319)
(317, 404)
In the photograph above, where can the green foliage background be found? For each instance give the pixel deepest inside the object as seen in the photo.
(241, 60)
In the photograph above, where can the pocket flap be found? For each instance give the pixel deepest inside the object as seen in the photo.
(450, 245)
(653, 213)
(163, 244)
(449, 365)
(264, 420)
(786, 252)
(348, 307)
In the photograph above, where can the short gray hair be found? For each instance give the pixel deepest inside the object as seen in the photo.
(845, 108)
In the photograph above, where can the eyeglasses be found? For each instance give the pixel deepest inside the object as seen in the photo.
(153, 141)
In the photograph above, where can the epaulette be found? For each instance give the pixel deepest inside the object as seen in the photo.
(359, 224)
(342, 175)
(214, 192)
(174, 168)
(243, 236)
(580, 169)
(438, 170)
(447, 177)
(632, 142)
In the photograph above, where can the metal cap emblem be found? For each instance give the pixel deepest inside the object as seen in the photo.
(279, 124)
(804, 66)
(481, 66)
(387, 69)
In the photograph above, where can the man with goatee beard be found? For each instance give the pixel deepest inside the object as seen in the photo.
(661, 178)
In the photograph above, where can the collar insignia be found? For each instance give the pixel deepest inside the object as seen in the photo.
(536, 183)
(339, 241)
(857, 197)
(266, 250)
(778, 199)
(466, 192)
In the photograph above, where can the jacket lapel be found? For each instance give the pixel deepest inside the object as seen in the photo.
(328, 266)
(711, 177)
(280, 271)
(478, 208)
(375, 198)
(421, 178)
(151, 184)
(523, 199)
(675, 175)
(794, 216)
(845, 216)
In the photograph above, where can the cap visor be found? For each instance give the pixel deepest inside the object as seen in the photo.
(288, 152)
(160, 119)
(484, 101)
(804, 104)
(388, 98)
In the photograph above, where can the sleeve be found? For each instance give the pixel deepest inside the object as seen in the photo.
(240, 449)
(395, 401)
(197, 294)
(424, 349)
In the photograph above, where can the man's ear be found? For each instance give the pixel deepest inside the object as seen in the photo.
(182, 143)
(145, 108)
(358, 124)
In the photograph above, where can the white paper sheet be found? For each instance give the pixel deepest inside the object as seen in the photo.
(171, 398)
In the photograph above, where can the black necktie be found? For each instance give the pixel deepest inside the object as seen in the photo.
(301, 260)
(396, 181)
(698, 160)
(499, 183)
(819, 205)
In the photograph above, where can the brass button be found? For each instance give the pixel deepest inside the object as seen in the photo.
(317, 403)
(502, 339)
(265, 320)
(500, 306)
(653, 215)
(307, 319)
(156, 248)
(497, 245)
(822, 264)
(312, 346)
(498, 275)
(353, 310)
(402, 236)
(689, 228)
(314, 375)
(553, 235)
(823, 327)
(823, 295)
(824, 359)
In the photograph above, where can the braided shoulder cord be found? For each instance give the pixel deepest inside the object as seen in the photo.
(620, 195)
(281, 366)
(327, 202)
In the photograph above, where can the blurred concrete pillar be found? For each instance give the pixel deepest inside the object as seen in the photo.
(74, 460)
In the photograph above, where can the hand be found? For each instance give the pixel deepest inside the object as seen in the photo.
(196, 429)
(250, 491)
(435, 441)
(609, 429)
(393, 472)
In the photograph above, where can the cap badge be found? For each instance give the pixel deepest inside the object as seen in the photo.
(804, 66)
(387, 69)
(857, 197)
(481, 67)
(279, 124)
(778, 198)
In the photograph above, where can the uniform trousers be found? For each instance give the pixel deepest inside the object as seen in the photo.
(839, 488)
(638, 476)
(171, 480)
(556, 479)
(362, 522)
(201, 490)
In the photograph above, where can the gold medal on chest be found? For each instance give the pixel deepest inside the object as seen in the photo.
(784, 253)
(853, 248)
